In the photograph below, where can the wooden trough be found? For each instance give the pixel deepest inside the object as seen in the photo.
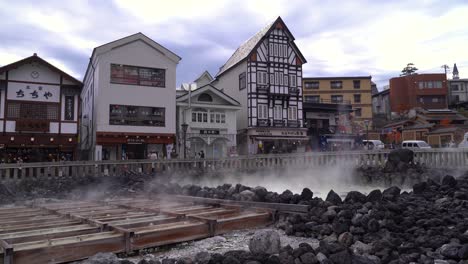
(65, 231)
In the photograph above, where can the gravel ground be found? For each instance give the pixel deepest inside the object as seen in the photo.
(238, 240)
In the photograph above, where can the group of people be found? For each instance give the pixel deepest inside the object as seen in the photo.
(25, 156)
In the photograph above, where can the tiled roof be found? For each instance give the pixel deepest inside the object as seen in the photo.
(244, 50)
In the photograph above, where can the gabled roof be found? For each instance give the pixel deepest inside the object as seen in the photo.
(247, 47)
(132, 38)
(206, 88)
(35, 58)
(205, 74)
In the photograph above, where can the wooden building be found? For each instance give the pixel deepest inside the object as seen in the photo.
(39, 109)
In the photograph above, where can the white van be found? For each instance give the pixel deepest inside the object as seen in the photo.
(373, 144)
(415, 144)
(464, 143)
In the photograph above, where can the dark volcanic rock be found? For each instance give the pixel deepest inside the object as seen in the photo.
(449, 181)
(374, 196)
(333, 198)
(355, 197)
(306, 194)
(391, 194)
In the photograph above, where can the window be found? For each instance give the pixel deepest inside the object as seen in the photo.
(292, 113)
(311, 85)
(293, 80)
(27, 110)
(454, 87)
(357, 84)
(276, 49)
(430, 85)
(357, 98)
(285, 80)
(271, 49)
(280, 76)
(272, 78)
(242, 81)
(194, 117)
(337, 98)
(200, 115)
(280, 52)
(133, 75)
(278, 112)
(262, 78)
(262, 111)
(204, 97)
(277, 78)
(336, 84)
(435, 99)
(358, 112)
(312, 99)
(130, 115)
(285, 51)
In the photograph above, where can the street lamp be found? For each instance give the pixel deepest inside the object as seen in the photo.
(184, 130)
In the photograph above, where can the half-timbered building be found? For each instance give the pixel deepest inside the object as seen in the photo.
(265, 75)
(39, 108)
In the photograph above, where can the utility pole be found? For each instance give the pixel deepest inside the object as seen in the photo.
(446, 68)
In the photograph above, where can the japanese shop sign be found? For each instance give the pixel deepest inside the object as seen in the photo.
(33, 92)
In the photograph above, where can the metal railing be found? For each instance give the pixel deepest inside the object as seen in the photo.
(433, 158)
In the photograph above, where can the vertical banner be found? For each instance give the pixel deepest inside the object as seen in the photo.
(69, 107)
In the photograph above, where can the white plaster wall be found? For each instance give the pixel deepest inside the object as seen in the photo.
(23, 73)
(54, 127)
(229, 81)
(10, 126)
(69, 128)
(136, 54)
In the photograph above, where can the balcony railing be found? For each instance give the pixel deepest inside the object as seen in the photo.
(263, 122)
(278, 123)
(293, 90)
(293, 123)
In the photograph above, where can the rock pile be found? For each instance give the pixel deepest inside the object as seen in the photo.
(391, 226)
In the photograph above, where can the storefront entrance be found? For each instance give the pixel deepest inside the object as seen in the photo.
(135, 151)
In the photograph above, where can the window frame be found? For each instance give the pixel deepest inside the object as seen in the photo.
(138, 77)
(356, 111)
(358, 82)
(262, 111)
(292, 112)
(278, 112)
(337, 96)
(242, 81)
(358, 96)
(312, 85)
(332, 86)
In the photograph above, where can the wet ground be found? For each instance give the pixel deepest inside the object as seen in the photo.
(238, 240)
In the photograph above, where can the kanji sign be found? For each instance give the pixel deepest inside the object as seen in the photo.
(33, 92)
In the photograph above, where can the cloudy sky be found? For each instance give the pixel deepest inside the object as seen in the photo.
(359, 37)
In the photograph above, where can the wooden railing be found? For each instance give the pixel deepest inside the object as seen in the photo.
(433, 158)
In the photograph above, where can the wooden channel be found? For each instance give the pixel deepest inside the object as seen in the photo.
(65, 231)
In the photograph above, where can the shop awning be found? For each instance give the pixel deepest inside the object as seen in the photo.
(287, 138)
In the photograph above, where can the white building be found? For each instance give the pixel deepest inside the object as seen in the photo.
(265, 75)
(458, 88)
(210, 116)
(128, 100)
(39, 106)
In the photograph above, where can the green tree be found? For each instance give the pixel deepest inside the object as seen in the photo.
(408, 70)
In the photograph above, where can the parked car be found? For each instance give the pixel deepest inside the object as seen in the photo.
(373, 144)
(415, 144)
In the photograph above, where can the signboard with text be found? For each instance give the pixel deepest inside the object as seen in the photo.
(33, 92)
(275, 132)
